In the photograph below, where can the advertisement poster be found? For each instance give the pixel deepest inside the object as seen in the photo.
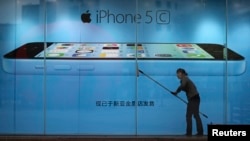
(108, 67)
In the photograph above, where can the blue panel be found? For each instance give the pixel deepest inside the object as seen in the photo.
(107, 105)
(62, 104)
(29, 104)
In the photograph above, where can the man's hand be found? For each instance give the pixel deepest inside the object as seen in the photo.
(174, 93)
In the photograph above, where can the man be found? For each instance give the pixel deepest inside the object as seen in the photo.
(193, 102)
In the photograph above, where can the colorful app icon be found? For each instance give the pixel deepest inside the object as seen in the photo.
(54, 55)
(163, 55)
(62, 47)
(79, 55)
(58, 51)
(66, 44)
(184, 45)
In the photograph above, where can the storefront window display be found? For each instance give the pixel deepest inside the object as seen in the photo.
(108, 67)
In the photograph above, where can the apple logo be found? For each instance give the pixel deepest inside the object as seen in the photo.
(86, 17)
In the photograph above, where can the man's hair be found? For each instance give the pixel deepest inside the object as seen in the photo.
(181, 70)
